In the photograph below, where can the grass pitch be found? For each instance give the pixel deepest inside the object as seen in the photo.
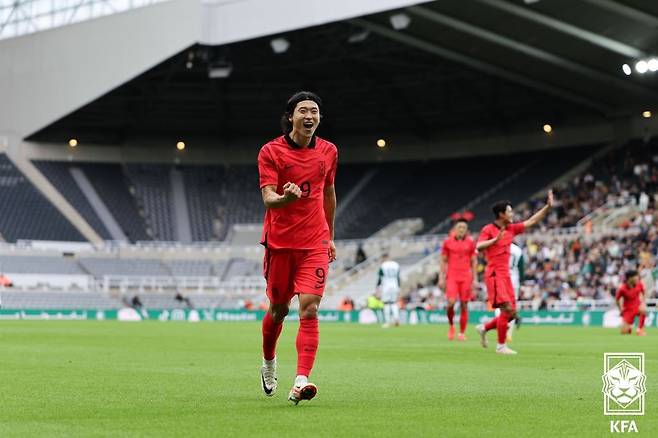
(79, 378)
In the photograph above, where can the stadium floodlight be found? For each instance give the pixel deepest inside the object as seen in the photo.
(279, 45)
(627, 69)
(73, 142)
(641, 66)
(381, 143)
(180, 145)
(547, 128)
(220, 70)
(653, 64)
(358, 37)
(646, 114)
(400, 21)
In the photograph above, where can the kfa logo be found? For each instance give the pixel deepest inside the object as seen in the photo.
(622, 426)
(623, 384)
(624, 387)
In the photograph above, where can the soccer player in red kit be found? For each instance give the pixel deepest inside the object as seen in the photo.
(495, 240)
(630, 301)
(460, 278)
(297, 173)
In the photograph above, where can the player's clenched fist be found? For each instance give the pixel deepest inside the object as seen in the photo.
(291, 191)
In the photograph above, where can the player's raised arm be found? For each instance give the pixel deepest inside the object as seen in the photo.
(271, 199)
(330, 215)
(541, 214)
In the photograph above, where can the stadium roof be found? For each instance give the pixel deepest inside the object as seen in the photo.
(426, 70)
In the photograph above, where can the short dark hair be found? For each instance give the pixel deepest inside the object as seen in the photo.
(500, 207)
(286, 125)
(630, 273)
(461, 219)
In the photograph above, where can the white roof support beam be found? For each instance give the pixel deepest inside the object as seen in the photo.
(528, 50)
(479, 65)
(566, 28)
(626, 11)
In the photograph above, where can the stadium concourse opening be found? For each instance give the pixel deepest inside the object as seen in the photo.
(478, 166)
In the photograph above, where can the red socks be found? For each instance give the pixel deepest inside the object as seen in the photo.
(451, 314)
(271, 332)
(641, 323)
(463, 319)
(491, 324)
(308, 338)
(502, 327)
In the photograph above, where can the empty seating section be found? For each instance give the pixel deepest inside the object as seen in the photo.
(242, 268)
(58, 300)
(99, 267)
(153, 189)
(190, 268)
(110, 183)
(26, 213)
(243, 202)
(40, 265)
(59, 175)
(204, 186)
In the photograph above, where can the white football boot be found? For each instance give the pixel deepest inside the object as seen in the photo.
(483, 335)
(268, 377)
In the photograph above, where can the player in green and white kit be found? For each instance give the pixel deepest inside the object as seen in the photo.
(388, 283)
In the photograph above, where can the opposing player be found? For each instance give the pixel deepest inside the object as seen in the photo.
(458, 275)
(297, 173)
(630, 301)
(388, 283)
(495, 240)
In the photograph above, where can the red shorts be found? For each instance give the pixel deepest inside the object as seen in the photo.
(289, 272)
(459, 287)
(499, 289)
(628, 315)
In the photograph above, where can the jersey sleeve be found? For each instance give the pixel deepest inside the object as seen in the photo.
(485, 234)
(444, 248)
(474, 251)
(516, 228)
(619, 294)
(267, 170)
(331, 174)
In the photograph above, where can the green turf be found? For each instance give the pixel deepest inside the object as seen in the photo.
(181, 379)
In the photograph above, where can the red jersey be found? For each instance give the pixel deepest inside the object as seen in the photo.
(498, 254)
(302, 223)
(459, 254)
(630, 295)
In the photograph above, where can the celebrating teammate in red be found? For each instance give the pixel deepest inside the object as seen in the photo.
(630, 301)
(495, 239)
(297, 173)
(458, 282)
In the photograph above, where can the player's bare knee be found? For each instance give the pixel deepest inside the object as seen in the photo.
(310, 311)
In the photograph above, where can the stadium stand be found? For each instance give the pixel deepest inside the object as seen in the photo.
(26, 213)
(153, 191)
(118, 194)
(204, 186)
(59, 175)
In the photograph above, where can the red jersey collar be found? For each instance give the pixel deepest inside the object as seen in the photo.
(294, 145)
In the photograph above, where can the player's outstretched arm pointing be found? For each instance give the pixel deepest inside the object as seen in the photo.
(271, 199)
(541, 214)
